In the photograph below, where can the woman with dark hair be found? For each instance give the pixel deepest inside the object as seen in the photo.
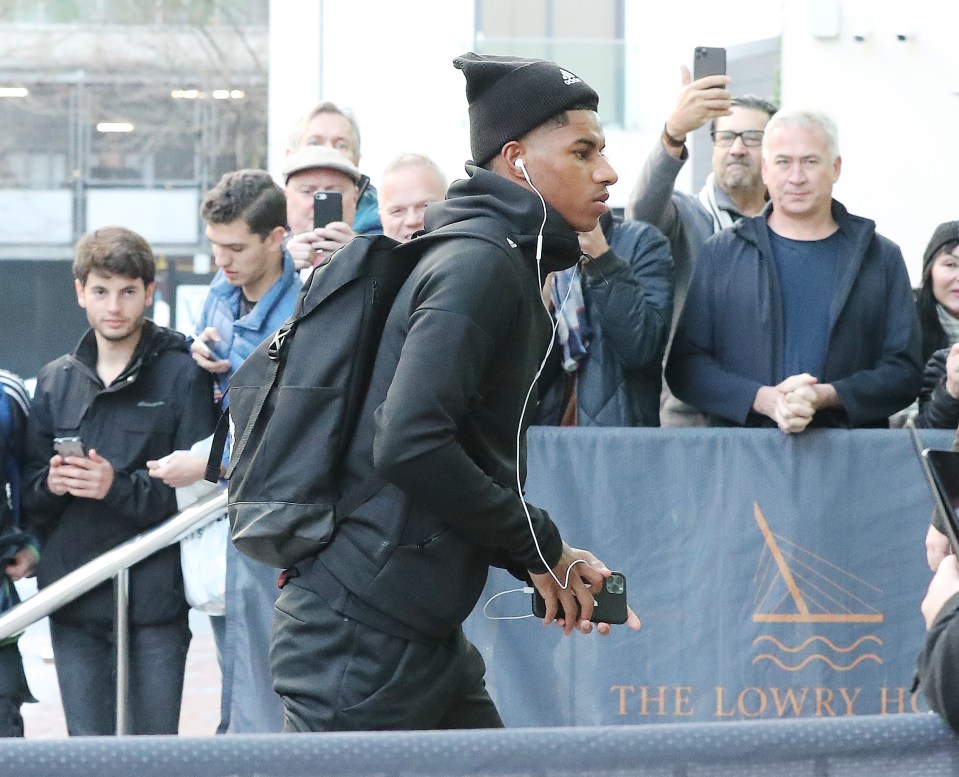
(937, 303)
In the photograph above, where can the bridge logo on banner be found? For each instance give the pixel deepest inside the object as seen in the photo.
(802, 587)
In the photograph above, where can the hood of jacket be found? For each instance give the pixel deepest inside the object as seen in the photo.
(855, 235)
(221, 288)
(154, 340)
(486, 195)
(857, 231)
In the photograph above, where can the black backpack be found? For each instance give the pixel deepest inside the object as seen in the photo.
(294, 402)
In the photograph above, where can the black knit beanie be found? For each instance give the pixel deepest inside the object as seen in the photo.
(509, 96)
(944, 234)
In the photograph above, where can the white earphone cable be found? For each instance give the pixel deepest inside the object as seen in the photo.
(519, 429)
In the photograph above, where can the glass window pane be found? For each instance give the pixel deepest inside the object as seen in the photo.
(35, 142)
(589, 43)
(161, 146)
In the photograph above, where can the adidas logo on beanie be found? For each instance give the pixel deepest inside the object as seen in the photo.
(509, 96)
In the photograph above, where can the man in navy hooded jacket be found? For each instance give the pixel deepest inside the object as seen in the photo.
(802, 316)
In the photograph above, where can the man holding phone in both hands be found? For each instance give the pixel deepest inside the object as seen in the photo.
(128, 393)
(316, 230)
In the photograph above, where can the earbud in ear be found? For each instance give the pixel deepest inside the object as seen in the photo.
(520, 164)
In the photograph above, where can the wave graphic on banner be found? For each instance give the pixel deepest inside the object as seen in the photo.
(795, 586)
(839, 667)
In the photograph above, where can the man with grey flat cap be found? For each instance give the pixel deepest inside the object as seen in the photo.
(368, 634)
(309, 170)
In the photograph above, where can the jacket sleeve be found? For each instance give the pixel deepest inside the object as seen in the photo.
(15, 446)
(631, 294)
(692, 371)
(146, 501)
(41, 507)
(938, 664)
(456, 326)
(938, 409)
(896, 379)
(652, 198)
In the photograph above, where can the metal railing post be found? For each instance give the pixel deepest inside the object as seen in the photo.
(122, 626)
(106, 567)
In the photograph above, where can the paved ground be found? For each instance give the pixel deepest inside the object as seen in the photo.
(201, 692)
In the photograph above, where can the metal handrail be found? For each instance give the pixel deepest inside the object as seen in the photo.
(102, 568)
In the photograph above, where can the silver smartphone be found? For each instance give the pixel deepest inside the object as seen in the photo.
(69, 446)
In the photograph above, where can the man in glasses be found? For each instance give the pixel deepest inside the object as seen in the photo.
(802, 316)
(734, 188)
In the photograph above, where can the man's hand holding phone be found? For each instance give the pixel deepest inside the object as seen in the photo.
(209, 352)
(310, 248)
(330, 231)
(88, 477)
(700, 100)
(586, 574)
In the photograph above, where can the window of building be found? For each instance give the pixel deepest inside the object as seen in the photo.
(586, 38)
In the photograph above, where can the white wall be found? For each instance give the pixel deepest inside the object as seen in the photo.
(896, 106)
(390, 62)
(398, 77)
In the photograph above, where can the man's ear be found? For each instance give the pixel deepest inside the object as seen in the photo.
(78, 287)
(509, 154)
(149, 293)
(275, 238)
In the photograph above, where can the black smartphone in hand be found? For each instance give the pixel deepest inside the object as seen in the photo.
(708, 61)
(609, 602)
(327, 208)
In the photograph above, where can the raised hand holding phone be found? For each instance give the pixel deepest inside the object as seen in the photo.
(702, 98)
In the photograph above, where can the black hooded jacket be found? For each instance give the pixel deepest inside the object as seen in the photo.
(161, 402)
(449, 403)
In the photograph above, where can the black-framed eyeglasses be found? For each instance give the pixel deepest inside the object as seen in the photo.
(751, 138)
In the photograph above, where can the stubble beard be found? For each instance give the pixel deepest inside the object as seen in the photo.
(132, 332)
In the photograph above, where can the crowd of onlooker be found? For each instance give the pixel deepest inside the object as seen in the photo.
(759, 301)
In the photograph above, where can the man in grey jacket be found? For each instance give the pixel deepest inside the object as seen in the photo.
(734, 188)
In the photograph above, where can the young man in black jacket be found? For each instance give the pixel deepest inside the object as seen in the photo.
(131, 392)
(368, 635)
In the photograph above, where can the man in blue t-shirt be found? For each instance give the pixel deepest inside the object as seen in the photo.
(803, 315)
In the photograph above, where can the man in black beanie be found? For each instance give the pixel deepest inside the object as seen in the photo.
(368, 635)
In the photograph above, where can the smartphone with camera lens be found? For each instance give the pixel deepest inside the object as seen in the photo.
(708, 61)
(609, 601)
(327, 208)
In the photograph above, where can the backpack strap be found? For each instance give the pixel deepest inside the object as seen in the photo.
(10, 459)
(212, 473)
(217, 445)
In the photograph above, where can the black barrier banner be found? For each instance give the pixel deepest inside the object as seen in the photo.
(777, 576)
